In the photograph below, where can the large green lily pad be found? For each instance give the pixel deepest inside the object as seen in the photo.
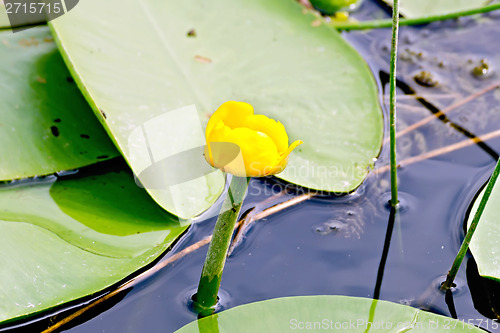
(421, 8)
(326, 313)
(145, 66)
(66, 239)
(46, 125)
(485, 244)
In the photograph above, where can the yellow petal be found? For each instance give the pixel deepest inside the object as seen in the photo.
(292, 147)
(231, 113)
(258, 152)
(274, 129)
(222, 154)
(284, 157)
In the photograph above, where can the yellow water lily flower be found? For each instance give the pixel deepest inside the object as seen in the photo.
(245, 144)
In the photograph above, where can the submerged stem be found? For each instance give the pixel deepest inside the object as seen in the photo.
(206, 297)
(470, 232)
(373, 24)
(392, 96)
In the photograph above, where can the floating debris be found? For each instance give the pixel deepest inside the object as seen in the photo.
(426, 79)
(348, 225)
(481, 70)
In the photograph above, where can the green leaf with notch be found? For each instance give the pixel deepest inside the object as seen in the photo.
(144, 66)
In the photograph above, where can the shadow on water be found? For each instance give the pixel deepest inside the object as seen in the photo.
(385, 252)
(485, 292)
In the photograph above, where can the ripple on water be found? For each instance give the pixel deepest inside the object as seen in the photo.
(185, 300)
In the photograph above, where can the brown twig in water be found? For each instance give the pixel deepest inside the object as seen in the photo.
(283, 205)
(247, 219)
(161, 265)
(441, 151)
(445, 110)
(240, 231)
(426, 96)
(130, 283)
(253, 216)
(411, 107)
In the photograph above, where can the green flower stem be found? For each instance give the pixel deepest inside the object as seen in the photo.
(374, 24)
(470, 232)
(206, 297)
(392, 107)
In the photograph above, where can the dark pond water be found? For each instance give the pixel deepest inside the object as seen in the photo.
(345, 245)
